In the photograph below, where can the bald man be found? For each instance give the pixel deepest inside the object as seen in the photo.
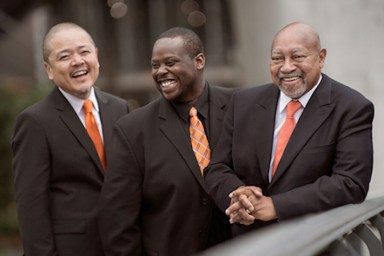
(58, 172)
(326, 159)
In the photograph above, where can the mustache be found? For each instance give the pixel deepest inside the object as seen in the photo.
(282, 76)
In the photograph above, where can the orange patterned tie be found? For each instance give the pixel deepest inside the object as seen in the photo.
(199, 141)
(285, 132)
(93, 131)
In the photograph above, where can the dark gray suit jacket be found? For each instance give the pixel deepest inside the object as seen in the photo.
(58, 175)
(327, 162)
(153, 201)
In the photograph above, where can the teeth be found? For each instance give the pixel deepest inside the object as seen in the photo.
(79, 73)
(167, 83)
(290, 78)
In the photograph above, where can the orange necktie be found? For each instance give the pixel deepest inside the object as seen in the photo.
(199, 141)
(285, 132)
(93, 131)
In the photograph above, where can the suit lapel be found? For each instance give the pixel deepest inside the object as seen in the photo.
(71, 120)
(107, 122)
(316, 112)
(106, 119)
(216, 115)
(264, 123)
(173, 130)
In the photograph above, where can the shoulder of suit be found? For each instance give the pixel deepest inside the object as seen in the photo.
(110, 96)
(221, 94)
(342, 92)
(221, 89)
(145, 112)
(258, 90)
(46, 104)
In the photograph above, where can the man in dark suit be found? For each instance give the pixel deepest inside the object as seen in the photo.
(153, 200)
(57, 170)
(328, 159)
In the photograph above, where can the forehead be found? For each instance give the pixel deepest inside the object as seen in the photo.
(69, 38)
(293, 40)
(169, 46)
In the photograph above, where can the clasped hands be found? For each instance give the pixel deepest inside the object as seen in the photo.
(249, 204)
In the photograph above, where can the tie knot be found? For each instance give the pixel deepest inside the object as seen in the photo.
(192, 112)
(292, 107)
(87, 106)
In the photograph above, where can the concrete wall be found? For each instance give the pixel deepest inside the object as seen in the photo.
(351, 30)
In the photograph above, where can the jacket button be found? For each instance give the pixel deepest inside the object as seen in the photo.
(205, 201)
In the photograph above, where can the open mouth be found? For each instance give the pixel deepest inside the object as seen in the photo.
(79, 73)
(167, 84)
(290, 79)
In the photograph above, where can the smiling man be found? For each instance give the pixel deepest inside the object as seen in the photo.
(300, 145)
(58, 162)
(153, 200)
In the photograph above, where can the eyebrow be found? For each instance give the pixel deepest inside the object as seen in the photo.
(77, 48)
(291, 50)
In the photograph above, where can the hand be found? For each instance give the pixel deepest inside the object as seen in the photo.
(264, 209)
(242, 204)
(249, 204)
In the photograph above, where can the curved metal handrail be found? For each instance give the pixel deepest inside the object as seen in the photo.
(335, 232)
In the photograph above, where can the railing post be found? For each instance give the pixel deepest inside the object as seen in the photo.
(378, 222)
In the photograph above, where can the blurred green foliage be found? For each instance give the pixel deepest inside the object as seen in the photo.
(13, 100)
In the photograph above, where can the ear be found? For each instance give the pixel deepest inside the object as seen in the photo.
(322, 55)
(97, 56)
(200, 61)
(49, 70)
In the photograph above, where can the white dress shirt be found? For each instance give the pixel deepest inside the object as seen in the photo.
(77, 105)
(281, 112)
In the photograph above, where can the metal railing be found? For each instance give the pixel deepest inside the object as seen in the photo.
(348, 230)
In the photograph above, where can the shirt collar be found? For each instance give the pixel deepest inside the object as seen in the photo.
(284, 99)
(201, 106)
(77, 103)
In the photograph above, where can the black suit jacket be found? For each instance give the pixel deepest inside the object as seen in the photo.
(327, 162)
(153, 201)
(58, 175)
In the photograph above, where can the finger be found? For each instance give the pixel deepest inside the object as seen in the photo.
(241, 216)
(244, 215)
(246, 203)
(240, 190)
(257, 192)
(246, 223)
(233, 208)
(235, 193)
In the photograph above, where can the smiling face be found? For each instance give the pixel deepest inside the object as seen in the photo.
(72, 63)
(177, 75)
(296, 60)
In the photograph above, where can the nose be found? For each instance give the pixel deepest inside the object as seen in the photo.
(77, 60)
(288, 66)
(162, 70)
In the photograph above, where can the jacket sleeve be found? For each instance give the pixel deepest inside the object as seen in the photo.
(31, 167)
(120, 200)
(219, 177)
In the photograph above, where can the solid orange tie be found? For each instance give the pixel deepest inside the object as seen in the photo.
(285, 132)
(199, 140)
(93, 131)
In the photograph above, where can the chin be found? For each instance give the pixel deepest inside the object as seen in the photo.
(84, 92)
(294, 94)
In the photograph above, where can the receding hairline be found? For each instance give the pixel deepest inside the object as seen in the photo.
(57, 29)
(310, 32)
